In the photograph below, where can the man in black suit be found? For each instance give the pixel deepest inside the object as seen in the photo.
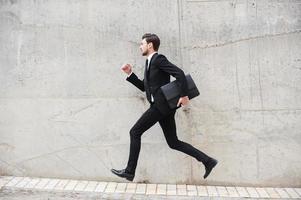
(157, 73)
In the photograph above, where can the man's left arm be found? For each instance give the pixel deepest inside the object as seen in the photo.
(176, 72)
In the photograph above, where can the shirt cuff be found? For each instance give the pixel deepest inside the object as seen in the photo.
(130, 74)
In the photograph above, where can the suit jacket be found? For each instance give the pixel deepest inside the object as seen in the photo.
(157, 75)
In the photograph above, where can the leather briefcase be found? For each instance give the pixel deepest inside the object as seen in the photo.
(172, 90)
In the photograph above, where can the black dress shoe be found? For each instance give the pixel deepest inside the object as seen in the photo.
(209, 165)
(123, 174)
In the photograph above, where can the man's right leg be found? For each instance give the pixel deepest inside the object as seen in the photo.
(147, 120)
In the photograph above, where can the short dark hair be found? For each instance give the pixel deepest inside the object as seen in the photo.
(153, 38)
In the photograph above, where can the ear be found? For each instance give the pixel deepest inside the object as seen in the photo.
(150, 45)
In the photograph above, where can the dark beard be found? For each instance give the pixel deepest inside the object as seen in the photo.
(144, 53)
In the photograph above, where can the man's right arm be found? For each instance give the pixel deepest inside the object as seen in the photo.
(136, 81)
(132, 78)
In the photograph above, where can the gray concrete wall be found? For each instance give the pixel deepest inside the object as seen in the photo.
(66, 109)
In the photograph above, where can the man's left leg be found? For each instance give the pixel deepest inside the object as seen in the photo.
(168, 126)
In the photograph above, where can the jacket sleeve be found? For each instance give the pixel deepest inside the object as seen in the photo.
(136, 81)
(168, 67)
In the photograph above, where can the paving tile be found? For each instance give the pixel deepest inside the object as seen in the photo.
(298, 190)
(141, 188)
(232, 192)
(272, 193)
(111, 187)
(212, 191)
(61, 184)
(32, 183)
(101, 186)
(262, 193)
(192, 190)
(151, 188)
(161, 189)
(202, 191)
(293, 194)
(81, 185)
(14, 181)
(5, 179)
(282, 193)
(71, 185)
(51, 184)
(181, 186)
(120, 188)
(23, 183)
(222, 191)
(131, 188)
(42, 183)
(242, 192)
(91, 186)
(252, 192)
(171, 189)
(181, 190)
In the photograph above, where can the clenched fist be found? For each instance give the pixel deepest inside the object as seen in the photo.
(127, 68)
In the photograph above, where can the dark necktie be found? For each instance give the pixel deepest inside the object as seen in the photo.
(148, 95)
(146, 64)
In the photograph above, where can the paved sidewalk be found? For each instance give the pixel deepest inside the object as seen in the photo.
(13, 188)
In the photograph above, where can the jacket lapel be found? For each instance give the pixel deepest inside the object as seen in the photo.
(152, 59)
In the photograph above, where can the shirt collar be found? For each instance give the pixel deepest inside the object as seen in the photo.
(150, 56)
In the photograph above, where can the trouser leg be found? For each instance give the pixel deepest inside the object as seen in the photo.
(168, 126)
(147, 120)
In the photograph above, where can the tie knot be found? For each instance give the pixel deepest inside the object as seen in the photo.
(146, 63)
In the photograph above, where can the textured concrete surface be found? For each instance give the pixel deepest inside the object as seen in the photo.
(66, 109)
(30, 187)
(8, 194)
(44, 195)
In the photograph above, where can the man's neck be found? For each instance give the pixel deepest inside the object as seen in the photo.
(150, 55)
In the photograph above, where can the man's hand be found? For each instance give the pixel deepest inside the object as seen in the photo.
(183, 101)
(127, 68)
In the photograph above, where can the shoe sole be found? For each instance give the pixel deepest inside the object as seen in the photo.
(211, 169)
(127, 178)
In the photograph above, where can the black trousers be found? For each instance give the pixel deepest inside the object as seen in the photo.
(168, 125)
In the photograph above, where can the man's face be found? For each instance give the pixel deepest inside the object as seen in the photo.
(144, 47)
